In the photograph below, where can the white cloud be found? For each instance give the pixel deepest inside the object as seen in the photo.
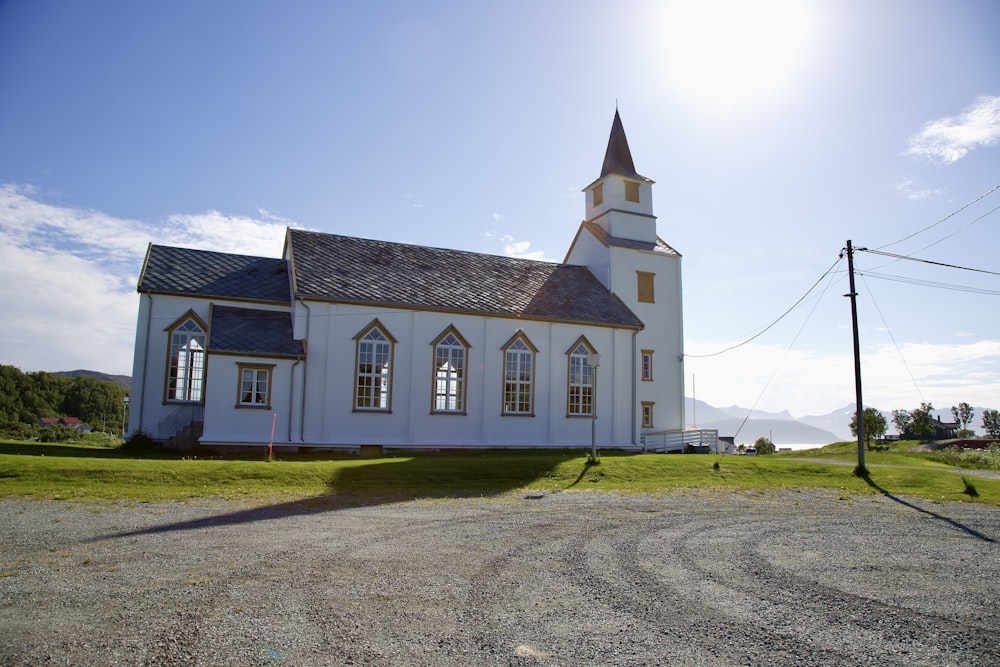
(497, 217)
(803, 382)
(63, 312)
(223, 233)
(69, 276)
(523, 250)
(519, 249)
(907, 189)
(948, 140)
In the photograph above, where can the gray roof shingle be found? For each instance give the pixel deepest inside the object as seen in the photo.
(618, 157)
(345, 269)
(169, 270)
(253, 332)
(602, 235)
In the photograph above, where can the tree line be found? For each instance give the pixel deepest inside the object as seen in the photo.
(25, 398)
(920, 422)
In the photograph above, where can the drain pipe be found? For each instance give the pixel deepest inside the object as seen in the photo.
(305, 374)
(145, 364)
(635, 334)
(291, 386)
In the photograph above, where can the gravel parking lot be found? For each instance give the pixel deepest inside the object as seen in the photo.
(791, 578)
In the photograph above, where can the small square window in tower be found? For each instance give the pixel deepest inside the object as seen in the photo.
(632, 191)
(645, 283)
(598, 194)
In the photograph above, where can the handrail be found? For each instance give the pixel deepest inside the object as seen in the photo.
(679, 440)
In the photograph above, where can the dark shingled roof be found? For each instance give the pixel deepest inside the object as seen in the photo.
(254, 332)
(351, 270)
(617, 242)
(214, 274)
(618, 157)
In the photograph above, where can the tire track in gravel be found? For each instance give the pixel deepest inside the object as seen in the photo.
(908, 630)
(500, 615)
(797, 619)
(807, 612)
(528, 610)
(670, 600)
(388, 585)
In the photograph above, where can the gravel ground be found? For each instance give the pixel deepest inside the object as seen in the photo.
(791, 578)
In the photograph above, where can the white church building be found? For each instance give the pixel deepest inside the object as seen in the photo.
(348, 342)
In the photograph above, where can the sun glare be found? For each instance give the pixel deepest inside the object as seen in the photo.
(726, 52)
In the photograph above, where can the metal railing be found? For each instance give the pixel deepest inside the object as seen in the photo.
(678, 441)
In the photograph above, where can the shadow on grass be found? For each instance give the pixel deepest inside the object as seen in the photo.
(381, 481)
(79, 451)
(866, 475)
(69, 450)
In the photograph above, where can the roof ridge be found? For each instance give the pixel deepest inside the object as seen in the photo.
(345, 269)
(212, 252)
(420, 247)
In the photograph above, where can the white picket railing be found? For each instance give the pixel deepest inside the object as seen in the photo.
(677, 441)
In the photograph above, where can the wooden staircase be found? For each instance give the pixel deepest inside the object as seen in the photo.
(187, 437)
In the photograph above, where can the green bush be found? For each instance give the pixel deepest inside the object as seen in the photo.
(58, 433)
(140, 442)
(15, 430)
(969, 458)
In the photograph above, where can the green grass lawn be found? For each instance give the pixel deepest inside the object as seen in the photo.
(904, 453)
(80, 472)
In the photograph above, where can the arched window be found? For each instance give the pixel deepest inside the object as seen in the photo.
(373, 388)
(519, 376)
(450, 355)
(582, 377)
(186, 363)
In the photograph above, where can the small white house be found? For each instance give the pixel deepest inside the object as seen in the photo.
(346, 341)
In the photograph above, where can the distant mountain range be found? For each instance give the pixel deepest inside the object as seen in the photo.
(124, 381)
(781, 427)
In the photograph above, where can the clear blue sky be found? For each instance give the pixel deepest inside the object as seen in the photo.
(775, 131)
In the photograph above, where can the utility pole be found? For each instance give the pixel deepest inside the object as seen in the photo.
(859, 418)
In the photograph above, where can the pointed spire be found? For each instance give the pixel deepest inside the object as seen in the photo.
(618, 158)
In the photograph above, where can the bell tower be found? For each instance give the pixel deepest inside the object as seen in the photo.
(621, 200)
(617, 241)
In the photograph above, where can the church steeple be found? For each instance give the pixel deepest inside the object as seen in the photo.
(618, 157)
(621, 200)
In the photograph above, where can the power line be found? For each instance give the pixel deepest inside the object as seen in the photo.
(927, 261)
(945, 218)
(871, 295)
(965, 226)
(772, 324)
(785, 355)
(929, 283)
